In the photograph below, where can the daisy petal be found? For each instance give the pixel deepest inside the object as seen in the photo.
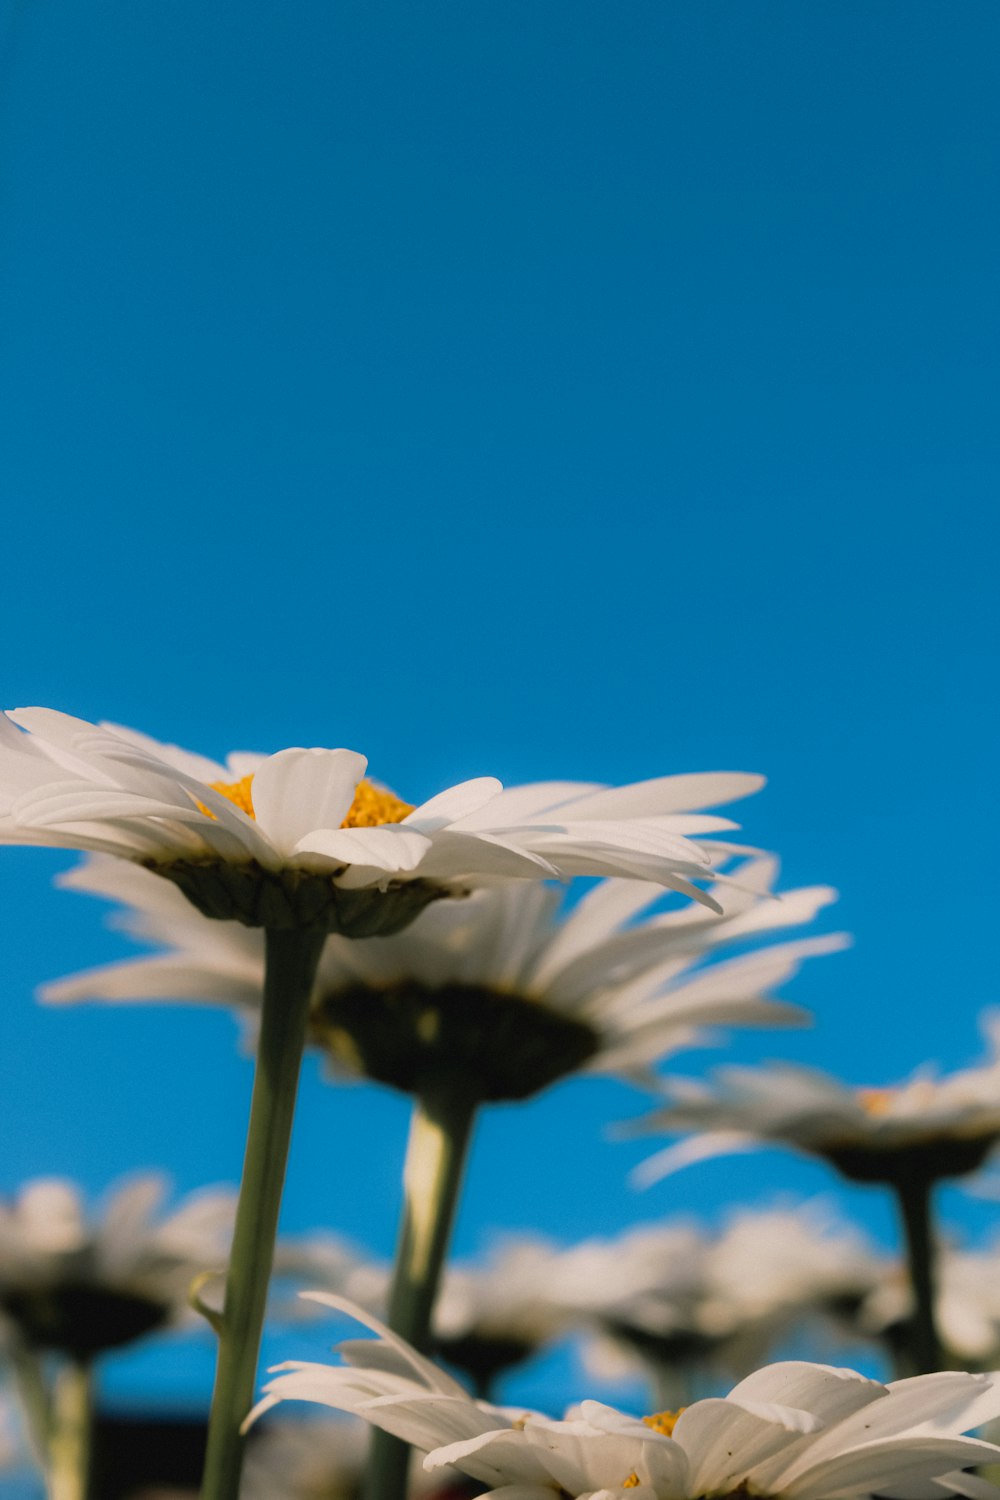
(457, 802)
(298, 791)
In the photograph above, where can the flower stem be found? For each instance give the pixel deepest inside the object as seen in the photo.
(440, 1131)
(70, 1433)
(292, 957)
(914, 1197)
(33, 1396)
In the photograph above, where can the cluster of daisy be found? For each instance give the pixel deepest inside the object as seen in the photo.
(440, 950)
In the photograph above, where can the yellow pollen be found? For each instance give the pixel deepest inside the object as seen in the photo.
(370, 809)
(664, 1421)
(373, 806)
(238, 793)
(876, 1101)
(632, 1482)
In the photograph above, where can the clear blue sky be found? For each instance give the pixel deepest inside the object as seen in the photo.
(577, 389)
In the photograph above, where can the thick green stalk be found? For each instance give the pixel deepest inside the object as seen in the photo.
(70, 1433)
(914, 1197)
(432, 1177)
(292, 957)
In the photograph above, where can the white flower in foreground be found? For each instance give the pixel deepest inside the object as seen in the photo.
(926, 1128)
(505, 986)
(80, 1284)
(302, 839)
(796, 1430)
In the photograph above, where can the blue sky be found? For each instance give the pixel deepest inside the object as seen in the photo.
(572, 390)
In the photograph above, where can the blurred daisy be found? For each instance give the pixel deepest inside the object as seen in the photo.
(507, 990)
(489, 1316)
(490, 999)
(301, 844)
(694, 1306)
(81, 1284)
(928, 1127)
(302, 839)
(497, 1314)
(796, 1430)
(967, 1305)
(909, 1138)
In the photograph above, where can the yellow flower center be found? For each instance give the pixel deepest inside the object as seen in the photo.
(876, 1101)
(238, 793)
(372, 806)
(632, 1482)
(664, 1421)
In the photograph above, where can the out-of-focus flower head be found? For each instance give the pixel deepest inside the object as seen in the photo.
(81, 1284)
(929, 1127)
(795, 1430)
(692, 1304)
(967, 1306)
(507, 989)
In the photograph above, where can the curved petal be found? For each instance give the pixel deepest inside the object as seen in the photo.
(391, 848)
(298, 791)
(455, 802)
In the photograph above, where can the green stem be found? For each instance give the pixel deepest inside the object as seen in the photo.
(29, 1382)
(70, 1433)
(914, 1197)
(292, 957)
(435, 1158)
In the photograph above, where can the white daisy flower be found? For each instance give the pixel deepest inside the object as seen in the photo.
(505, 987)
(82, 1284)
(926, 1128)
(691, 1303)
(302, 839)
(770, 1266)
(795, 1430)
(495, 1314)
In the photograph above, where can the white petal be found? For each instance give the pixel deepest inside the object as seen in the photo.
(582, 1458)
(391, 847)
(829, 1392)
(880, 1466)
(424, 1369)
(520, 1492)
(517, 805)
(666, 794)
(500, 1456)
(694, 1149)
(723, 1441)
(456, 802)
(51, 1211)
(298, 791)
(600, 913)
(170, 976)
(457, 854)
